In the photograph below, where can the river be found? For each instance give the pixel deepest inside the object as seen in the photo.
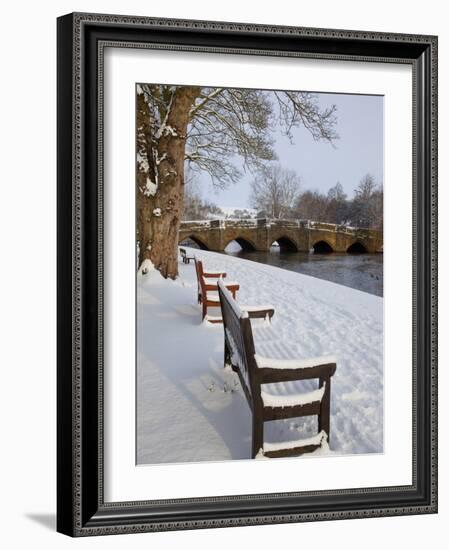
(360, 271)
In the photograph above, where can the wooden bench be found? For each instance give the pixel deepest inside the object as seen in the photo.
(208, 291)
(258, 373)
(185, 259)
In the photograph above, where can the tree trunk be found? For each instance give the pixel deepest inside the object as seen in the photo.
(160, 181)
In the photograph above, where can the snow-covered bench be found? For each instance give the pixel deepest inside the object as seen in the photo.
(185, 258)
(208, 291)
(270, 384)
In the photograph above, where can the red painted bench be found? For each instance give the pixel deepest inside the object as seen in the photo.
(208, 290)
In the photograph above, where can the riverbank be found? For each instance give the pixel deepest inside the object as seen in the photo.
(359, 271)
(190, 409)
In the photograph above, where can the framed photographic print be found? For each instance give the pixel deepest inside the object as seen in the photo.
(247, 282)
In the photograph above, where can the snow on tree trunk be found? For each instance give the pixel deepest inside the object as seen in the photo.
(160, 180)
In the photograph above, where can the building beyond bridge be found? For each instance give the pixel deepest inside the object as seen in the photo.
(291, 235)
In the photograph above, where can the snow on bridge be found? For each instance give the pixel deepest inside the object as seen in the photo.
(291, 235)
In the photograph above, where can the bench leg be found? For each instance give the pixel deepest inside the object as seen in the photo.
(204, 309)
(257, 442)
(324, 416)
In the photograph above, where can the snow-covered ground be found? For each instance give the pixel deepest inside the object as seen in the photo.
(189, 408)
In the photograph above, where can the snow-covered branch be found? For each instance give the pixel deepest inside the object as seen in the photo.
(226, 123)
(203, 100)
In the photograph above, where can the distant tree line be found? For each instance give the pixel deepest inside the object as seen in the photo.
(276, 193)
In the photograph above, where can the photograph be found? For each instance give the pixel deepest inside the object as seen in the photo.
(259, 274)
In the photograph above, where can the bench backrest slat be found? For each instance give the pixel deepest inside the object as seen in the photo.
(200, 278)
(238, 334)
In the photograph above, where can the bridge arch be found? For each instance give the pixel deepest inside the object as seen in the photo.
(322, 247)
(356, 248)
(245, 244)
(199, 243)
(286, 244)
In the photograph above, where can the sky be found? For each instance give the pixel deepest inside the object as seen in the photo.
(358, 151)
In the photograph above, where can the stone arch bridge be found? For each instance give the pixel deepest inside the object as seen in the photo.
(291, 235)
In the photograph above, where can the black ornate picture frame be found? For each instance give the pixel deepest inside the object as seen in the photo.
(81, 508)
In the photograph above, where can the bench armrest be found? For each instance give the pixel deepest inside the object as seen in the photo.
(217, 274)
(258, 312)
(231, 285)
(271, 363)
(278, 370)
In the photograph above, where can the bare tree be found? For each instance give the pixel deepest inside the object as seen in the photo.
(367, 205)
(275, 191)
(365, 188)
(302, 108)
(311, 205)
(364, 210)
(337, 208)
(205, 128)
(376, 208)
